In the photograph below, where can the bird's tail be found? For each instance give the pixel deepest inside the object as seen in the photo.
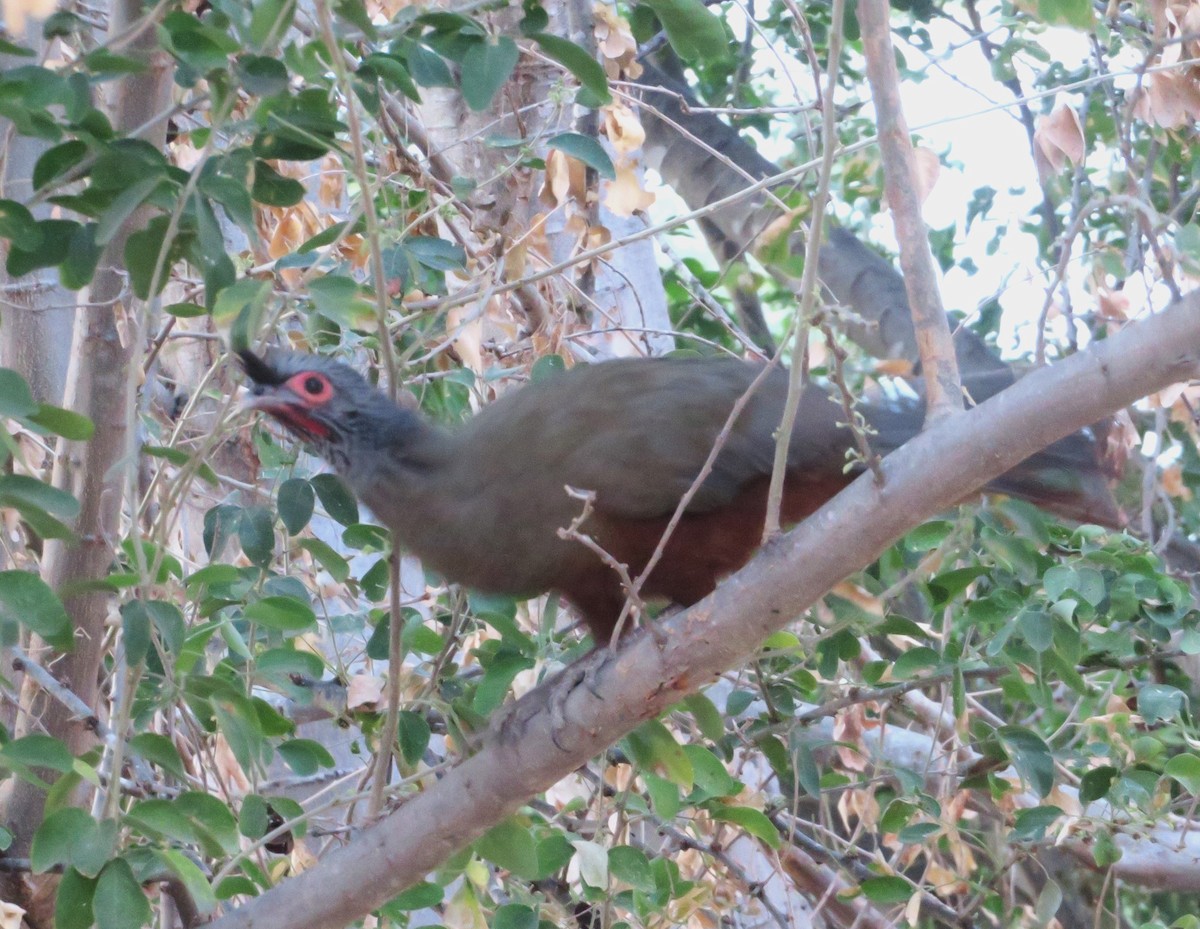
(1071, 478)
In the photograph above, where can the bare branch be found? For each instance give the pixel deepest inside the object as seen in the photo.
(943, 387)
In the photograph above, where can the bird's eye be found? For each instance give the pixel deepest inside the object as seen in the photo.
(312, 386)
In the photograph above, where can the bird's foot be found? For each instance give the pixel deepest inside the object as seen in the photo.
(510, 722)
(585, 673)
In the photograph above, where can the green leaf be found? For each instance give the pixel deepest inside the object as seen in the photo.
(914, 660)
(587, 70)
(194, 879)
(38, 751)
(220, 524)
(168, 620)
(322, 238)
(708, 717)
(15, 397)
(1030, 756)
(554, 853)
(256, 534)
(587, 150)
(710, 775)
(427, 67)
(515, 916)
(269, 20)
(73, 901)
(83, 255)
(511, 846)
(184, 311)
(66, 423)
(652, 745)
(1031, 825)
(135, 625)
(1037, 628)
(304, 756)
(918, 833)
(39, 504)
(413, 734)
(355, 12)
(631, 865)
(119, 902)
(485, 68)
(1094, 784)
(1105, 851)
(262, 76)
(929, 536)
(26, 599)
(53, 163)
(238, 721)
(336, 497)
(285, 614)
(1076, 13)
(546, 367)
(693, 30)
(392, 72)
(1185, 769)
(17, 223)
(160, 750)
(498, 676)
(897, 815)
(664, 795)
(53, 238)
(237, 309)
(887, 890)
(437, 254)
(337, 566)
(340, 299)
(1160, 702)
(753, 821)
(149, 255)
(273, 189)
(418, 897)
(162, 818)
(123, 206)
(55, 839)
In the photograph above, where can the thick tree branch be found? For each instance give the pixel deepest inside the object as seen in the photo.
(561, 725)
(943, 388)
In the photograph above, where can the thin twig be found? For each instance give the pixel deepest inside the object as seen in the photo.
(808, 280)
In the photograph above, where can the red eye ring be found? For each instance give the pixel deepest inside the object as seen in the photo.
(311, 386)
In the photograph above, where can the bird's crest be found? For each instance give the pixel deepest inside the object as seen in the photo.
(258, 370)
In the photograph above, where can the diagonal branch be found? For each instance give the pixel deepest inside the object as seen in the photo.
(943, 388)
(635, 682)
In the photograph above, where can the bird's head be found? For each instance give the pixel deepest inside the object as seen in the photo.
(323, 403)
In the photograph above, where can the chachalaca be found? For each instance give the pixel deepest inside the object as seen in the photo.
(482, 504)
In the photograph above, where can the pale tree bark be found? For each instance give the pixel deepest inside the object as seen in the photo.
(98, 385)
(36, 312)
(563, 723)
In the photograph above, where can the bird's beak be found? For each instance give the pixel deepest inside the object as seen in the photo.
(262, 384)
(258, 397)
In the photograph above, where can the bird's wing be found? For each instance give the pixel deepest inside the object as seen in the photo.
(639, 432)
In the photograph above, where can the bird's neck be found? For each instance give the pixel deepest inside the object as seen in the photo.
(387, 439)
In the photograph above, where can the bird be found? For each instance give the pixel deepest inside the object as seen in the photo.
(483, 503)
